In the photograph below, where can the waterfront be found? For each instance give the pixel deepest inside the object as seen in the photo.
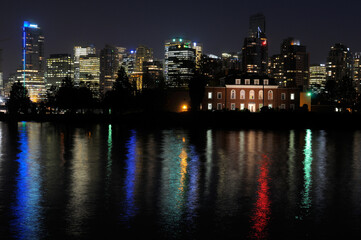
(103, 180)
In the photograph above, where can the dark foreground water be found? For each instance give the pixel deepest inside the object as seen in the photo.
(103, 181)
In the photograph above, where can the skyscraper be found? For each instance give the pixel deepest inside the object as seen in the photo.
(357, 70)
(295, 63)
(255, 47)
(1, 75)
(109, 66)
(32, 73)
(181, 61)
(78, 52)
(89, 71)
(58, 67)
(318, 77)
(142, 54)
(339, 63)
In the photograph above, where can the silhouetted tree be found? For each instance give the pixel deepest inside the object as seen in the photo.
(19, 101)
(346, 93)
(196, 90)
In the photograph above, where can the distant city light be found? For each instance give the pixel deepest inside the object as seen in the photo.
(30, 25)
(309, 94)
(184, 108)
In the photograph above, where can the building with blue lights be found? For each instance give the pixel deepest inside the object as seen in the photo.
(33, 62)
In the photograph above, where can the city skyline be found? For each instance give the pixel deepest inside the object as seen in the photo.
(221, 27)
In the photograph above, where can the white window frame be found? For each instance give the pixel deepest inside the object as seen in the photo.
(210, 107)
(233, 94)
(292, 96)
(233, 106)
(265, 82)
(210, 95)
(238, 81)
(241, 107)
(251, 94)
(283, 96)
(256, 82)
(247, 81)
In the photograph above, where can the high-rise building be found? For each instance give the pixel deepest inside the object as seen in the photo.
(276, 68)
(180, 61)
(357, 70)
(58, 67)
(295, 63)
(255, 47)
(109, 66)
(128, 61)
(142, 54)
(32, 72)
(339, 63)
(257, 24)
(153, 74)
(89, 71)
(318, 77)
(78, 52)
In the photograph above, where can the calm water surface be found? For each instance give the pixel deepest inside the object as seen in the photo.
(103, 181)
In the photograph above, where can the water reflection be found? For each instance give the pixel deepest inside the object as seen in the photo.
(27, 209)
(130, 177)
(109, 162)
(262, 211)
(306, 201)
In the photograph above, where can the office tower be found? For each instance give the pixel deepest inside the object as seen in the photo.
(276, 69)
(318, 77)
(153, 74)
(257, 24)
(231, 62)
(32, 72)
(78, 52)
(255, 47)
(109, 67)
(357, 70)
(58, 67)
(89, 71)
(142, 54)
(180, 61)
(128, 61)
(339, 63)
(295, 63)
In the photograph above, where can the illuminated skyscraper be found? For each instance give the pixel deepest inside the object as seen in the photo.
(1, 75)
(181, 61)
(339, 63)
(32, 73)
(143, 54)
(357, 70)
(255, 47)
(78, 52)
(318, 77)
(58, 67)
(109, 66)
(89, 71)
(295, 63)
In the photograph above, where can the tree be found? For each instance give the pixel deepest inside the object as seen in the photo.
(346, 93)
(196, 90)
(19, 101)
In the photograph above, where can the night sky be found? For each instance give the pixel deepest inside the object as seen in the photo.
(219, 25)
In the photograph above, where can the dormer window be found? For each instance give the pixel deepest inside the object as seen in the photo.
(265, 82)
(238, 81)
(256, 82)
(247, 81)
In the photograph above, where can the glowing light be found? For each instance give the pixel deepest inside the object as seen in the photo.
(309, 94)
(184, 108)
(264, 43)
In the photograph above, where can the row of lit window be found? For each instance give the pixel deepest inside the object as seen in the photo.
(252, 95)
(251, 106)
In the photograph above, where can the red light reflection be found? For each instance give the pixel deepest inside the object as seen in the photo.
(262, 210)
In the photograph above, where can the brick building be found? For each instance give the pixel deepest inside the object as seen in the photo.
(251, 93)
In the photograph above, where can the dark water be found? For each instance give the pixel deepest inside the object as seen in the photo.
(103, 181)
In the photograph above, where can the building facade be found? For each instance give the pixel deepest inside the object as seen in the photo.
(251, 94)
(89, 71)
(58, 67)
(357, 70)
(318, 78)
(339, 63)
(182, 58)
(109, 67)
(255, 47)
(80, 51)
(33, 67)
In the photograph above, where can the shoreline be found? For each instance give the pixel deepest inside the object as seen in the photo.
(224, 120)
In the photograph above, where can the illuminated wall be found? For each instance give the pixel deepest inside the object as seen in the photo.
(58, 67)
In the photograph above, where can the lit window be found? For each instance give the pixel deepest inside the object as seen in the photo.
(256, 82)
(247, 81)
(260, 94)
(243, 94)
(233, 106)
(233, 94)
(209, 95)
(251, 94)
(270, 95)
(265, 81)
(238, 81)
(242, 106)
(209, 106)
(292, 96)
(270, 105)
